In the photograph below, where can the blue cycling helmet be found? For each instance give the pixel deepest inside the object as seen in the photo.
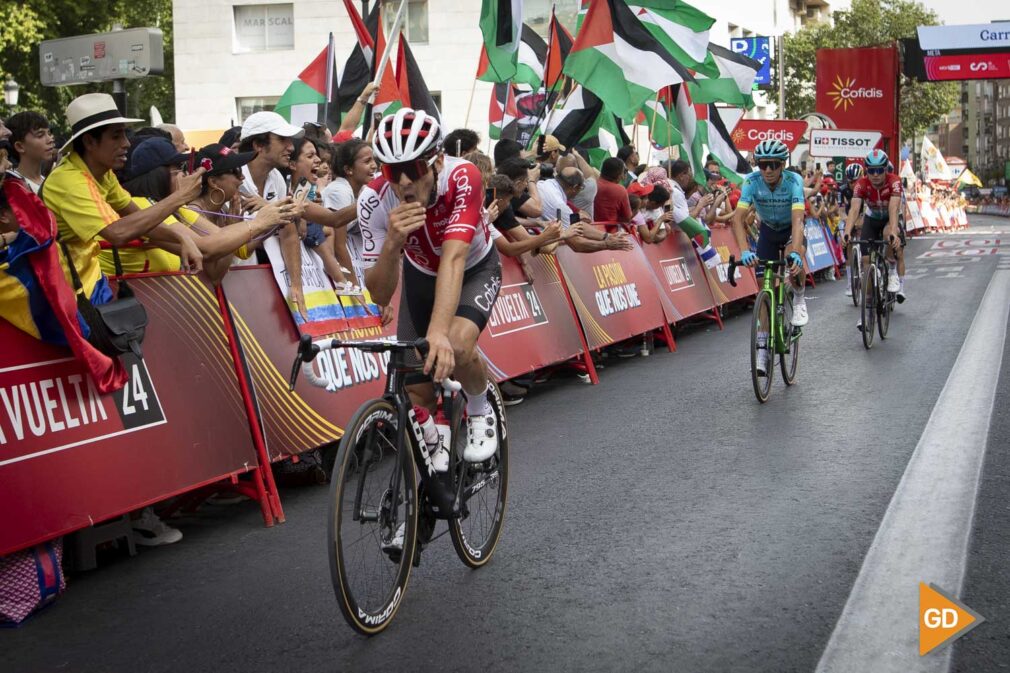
(771, 149)
(876, 159)
(853, 172)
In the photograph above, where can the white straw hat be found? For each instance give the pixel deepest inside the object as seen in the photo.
(91, 111)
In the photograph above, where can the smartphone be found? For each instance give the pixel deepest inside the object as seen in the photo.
(818, 166)
(557, 215)
(540, 145)
(667, 208)
(488, 197)
(191, 163)
(574, 218)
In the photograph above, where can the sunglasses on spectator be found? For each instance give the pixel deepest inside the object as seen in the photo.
(876, 171)
(769, 165)
(414, 170)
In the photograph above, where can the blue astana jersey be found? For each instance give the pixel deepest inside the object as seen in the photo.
(774, 206)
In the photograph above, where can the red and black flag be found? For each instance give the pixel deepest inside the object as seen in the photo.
(559, 42)
(414, 92)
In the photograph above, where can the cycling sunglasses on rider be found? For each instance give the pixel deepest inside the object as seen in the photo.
(414, 170)
(769, 165)
(876, 171)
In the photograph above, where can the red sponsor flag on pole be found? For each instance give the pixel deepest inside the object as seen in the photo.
(858, 89)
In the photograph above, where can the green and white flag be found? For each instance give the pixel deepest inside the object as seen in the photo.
(501, 25)
(585, 121)
(615, 57)
(682, 29)
(734, 83)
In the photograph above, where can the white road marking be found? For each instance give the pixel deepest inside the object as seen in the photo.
(925, 532)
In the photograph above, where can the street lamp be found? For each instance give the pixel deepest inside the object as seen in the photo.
(11, 90)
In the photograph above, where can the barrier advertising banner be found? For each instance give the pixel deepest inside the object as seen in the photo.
(531, 324)
(857, 88)
(310, 417)
(681, 276)
(818, 252)
(615, 293)
(749, 132)
(70, 457)
(725, 243)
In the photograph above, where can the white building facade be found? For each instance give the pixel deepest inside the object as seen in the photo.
(234, 57)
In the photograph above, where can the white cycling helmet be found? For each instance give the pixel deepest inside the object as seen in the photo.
(405, 136)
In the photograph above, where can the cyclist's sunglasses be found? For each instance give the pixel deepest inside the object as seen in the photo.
(876, 171)
(769, 165)
(414, 170)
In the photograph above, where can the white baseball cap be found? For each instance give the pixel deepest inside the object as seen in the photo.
(269, 122)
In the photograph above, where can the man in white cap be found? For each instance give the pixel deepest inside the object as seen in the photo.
(270, 136)
(88, 201)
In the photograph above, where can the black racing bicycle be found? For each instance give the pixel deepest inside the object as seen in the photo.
(381, 515)
(876, 303)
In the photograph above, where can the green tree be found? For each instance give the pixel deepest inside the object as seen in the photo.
(23, 26)
(867, 23)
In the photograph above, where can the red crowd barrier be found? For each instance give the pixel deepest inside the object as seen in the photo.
(615, 293)
(210, 401)
(70, 457)
(725, 243)
(680, 276)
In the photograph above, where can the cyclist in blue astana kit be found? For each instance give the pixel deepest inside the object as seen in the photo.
(777, 195)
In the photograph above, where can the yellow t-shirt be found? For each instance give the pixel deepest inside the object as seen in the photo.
(83, 206)
(141, 260)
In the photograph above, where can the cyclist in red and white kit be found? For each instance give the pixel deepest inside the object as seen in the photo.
(880, 191)
(428, 209)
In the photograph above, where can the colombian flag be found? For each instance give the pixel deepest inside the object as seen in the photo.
(34, 294)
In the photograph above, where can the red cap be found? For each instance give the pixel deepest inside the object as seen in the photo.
(343, 136)
(638, 189)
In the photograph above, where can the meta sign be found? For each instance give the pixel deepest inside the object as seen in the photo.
(757, 48)
(749, 132)
(837, 143)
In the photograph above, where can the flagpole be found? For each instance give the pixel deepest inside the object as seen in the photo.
(652, 125)
(547, 99)
(393, 37)
(473, 88)
(331, 66)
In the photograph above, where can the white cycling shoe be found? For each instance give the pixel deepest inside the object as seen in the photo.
(481, 437)
(800, 317)
(893, 282)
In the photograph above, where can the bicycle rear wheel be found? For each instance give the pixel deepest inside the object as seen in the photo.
(762, 384)
(789, 360)
(868, 313)
(883, 305)
(475, 535)
(373, 496)
(854, 280)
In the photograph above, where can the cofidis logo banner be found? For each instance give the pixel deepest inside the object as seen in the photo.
(857, 88)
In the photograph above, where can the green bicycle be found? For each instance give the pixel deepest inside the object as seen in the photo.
(773, 315)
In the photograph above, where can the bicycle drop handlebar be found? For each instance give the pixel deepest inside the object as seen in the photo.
(308, 350)
(768, 264)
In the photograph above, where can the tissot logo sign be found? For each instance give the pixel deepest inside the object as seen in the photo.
(837, 143)
(856, 88)
(749, 132)
(974, 36)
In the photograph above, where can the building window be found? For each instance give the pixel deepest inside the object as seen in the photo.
(264, 27)
(537, 14)
(247, 106)
(415, 24)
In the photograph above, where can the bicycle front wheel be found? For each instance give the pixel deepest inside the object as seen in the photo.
(854, 280)
(789, 360)
(373, 519)
(868, 312)
(883, 307)
(762, 353)
(475, 535)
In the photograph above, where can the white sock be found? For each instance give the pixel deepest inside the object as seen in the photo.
(477, 405)
(800, 291)
(762, 338)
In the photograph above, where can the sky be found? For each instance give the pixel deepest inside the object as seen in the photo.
(969, 11)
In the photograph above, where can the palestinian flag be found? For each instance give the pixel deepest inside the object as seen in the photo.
(501, 24)
(305, 99)
(719, 144)
(584, 120)
(682, 30)
(532, 56)
(414, 93)
(658, 115)
(559, 46)
(734, 83)
(618, 59)
(583, 10)
(357, 71)
(387, 98)
(503, 113)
